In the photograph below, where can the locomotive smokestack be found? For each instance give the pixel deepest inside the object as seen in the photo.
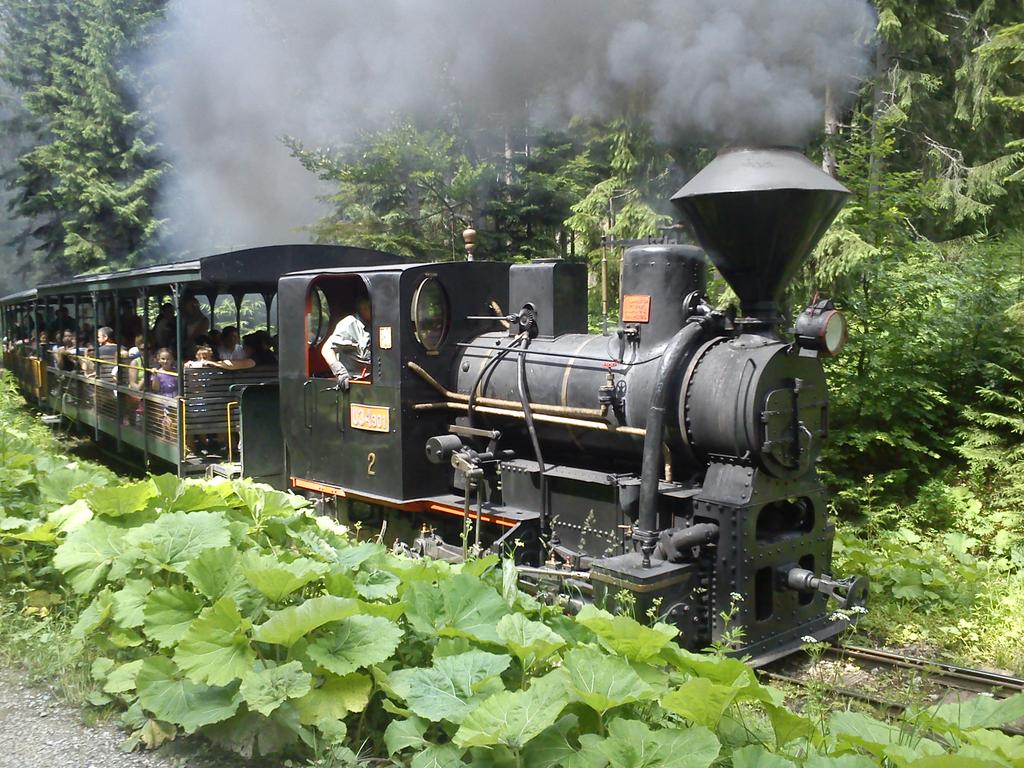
(759, 213)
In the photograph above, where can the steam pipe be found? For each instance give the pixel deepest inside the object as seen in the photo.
(674, 360)
(565, 421)
(673, 547)
(695, 536)
(555, 410)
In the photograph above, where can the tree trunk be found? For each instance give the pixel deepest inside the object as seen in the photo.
(882, 62)
(828, 161)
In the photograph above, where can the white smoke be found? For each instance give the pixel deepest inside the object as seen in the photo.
(231, 77)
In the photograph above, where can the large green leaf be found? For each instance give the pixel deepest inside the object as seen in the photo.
(217, 573)
(334, 698)
(130, 601)
(95, 614)
(275, 578)
(215, 650)
(355, 642)
(603, 682)
(554, 746)
(286, 626)
(376, 584)
(700, 701)
(174, 539)
(720, 669)
(263, 502)
(815, 760)
(57, 483)
(460, 606)
(250, 734)
(168, 613)
(34, 532)
(264, 690)
(351, 557)
(444, 691)
(787, 725)
(625, 636)
(174, 699)
(88, 553)
(121, 500)
(756, 756)
(860, 730)
(530, 641)
(981, 712)
(405, 734)
(122, 679)
(71, 517)
(175, 494)
(631, 744)
(438, 756)
(1010, 747)
(513, 718)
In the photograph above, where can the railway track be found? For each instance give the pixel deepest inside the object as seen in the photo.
(948, 675)
(951, 677)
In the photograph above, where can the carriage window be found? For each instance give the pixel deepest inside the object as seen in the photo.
(252, 314)
(224, 311)
(430, 314)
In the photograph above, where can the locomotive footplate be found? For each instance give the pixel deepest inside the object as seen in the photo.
(822, 629)
(668, 590)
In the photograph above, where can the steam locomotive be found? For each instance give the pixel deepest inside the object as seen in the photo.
(669, 465)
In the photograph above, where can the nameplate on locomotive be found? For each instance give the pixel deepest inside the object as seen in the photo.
(369, 418)
(636, 308)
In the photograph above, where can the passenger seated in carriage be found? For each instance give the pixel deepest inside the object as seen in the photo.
(165, 382)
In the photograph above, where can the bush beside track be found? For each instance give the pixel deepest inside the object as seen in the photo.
(229, 610)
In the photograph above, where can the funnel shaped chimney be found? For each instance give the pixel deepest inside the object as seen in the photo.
(758, 213)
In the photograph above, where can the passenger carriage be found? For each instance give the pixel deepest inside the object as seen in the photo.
(117, 403)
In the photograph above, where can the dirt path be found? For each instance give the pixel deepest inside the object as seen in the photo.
(39, 730)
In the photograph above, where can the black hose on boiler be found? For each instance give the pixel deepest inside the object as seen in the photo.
(524, 399)
(487, 366)
(676, 357)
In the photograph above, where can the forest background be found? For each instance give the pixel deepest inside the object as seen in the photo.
(926, 261)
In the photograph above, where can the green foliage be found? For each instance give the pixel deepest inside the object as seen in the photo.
(168, 582)
(405, 190)
(88, 178)
(935, 589)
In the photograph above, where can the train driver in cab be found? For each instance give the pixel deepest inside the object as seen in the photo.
(347, 349)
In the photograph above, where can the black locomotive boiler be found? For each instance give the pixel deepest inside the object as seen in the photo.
(673, 460)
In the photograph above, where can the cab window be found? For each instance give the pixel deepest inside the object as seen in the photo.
(330, 300)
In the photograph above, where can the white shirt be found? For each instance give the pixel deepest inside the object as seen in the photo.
(352, 336)
(237, 353)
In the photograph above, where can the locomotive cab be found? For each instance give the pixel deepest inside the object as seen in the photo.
(366, 442)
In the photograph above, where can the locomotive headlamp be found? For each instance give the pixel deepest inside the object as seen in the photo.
(822, 327)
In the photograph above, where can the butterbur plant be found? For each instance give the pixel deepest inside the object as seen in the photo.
(230, 610)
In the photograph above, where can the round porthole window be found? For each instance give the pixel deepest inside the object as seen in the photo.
(430, 314)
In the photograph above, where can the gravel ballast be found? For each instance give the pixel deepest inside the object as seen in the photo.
(40, 730)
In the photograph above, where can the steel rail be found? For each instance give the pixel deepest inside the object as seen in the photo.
(889, 706)
(965, 678)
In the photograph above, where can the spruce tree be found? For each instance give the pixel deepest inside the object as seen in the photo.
(89, 179)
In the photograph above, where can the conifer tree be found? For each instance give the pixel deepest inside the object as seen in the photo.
(88, 180)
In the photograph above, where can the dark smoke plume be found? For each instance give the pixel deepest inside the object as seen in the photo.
(233, 76)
